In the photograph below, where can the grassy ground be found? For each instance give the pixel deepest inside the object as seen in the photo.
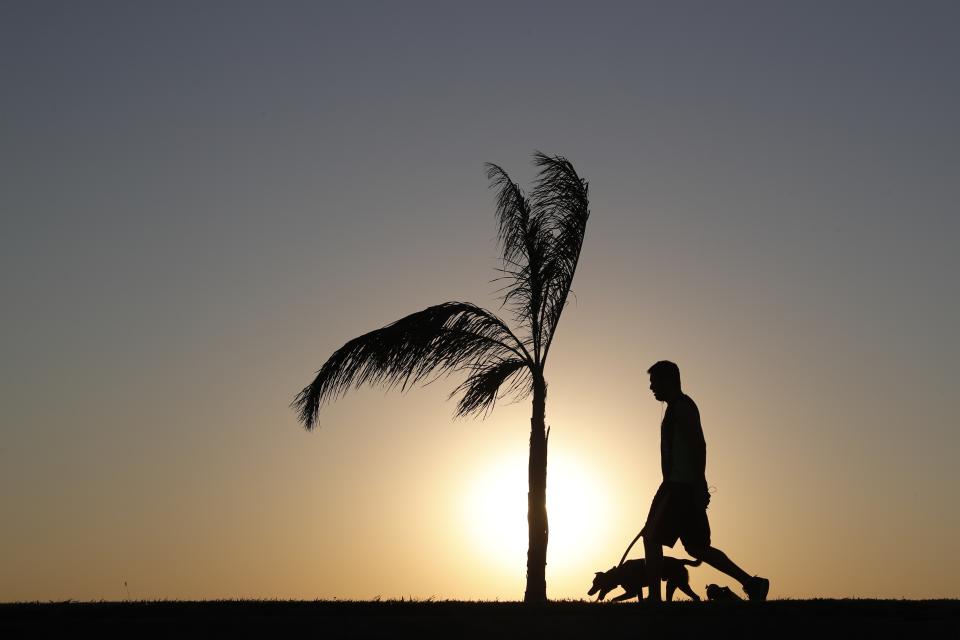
(326, 619)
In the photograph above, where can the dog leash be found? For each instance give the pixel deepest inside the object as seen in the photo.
(630, 546)
(640, 533)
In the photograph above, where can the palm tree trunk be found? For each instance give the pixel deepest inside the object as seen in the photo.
(538, 530)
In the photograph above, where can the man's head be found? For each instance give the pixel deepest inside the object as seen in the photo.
(665, 380)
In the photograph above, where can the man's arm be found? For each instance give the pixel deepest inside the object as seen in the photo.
(688, 441)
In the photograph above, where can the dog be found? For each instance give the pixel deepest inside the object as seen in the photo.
(632, 577)
(716, 592)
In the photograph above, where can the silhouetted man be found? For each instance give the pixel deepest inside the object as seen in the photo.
(679, 510)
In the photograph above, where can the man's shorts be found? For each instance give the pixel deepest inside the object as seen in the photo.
(679, 511)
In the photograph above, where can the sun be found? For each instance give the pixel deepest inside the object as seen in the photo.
(495, 511)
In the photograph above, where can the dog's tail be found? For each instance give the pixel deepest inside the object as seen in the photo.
(692, 563)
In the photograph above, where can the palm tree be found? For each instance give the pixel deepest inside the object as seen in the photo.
(541, 236)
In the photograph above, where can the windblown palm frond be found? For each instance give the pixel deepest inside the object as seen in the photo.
(561, 200)
(525, 245)
(485, 385)
(514, 217)
(442, 339)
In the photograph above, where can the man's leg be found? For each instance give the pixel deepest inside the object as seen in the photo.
(719, 561)
(654, 559)
(697, 544)
(754, 586)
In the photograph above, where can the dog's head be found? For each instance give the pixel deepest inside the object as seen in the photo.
(604, 582)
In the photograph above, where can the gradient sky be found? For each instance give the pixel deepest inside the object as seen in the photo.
(201, 201)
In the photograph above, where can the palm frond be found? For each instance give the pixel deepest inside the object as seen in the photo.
(485, 386)
(513, 215)
(561, 201)
(521, 237)
(440, 339)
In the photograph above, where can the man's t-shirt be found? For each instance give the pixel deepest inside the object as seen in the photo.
(683, 450)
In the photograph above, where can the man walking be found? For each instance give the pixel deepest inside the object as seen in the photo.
(679, 509)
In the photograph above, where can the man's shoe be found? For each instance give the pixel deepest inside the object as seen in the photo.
(756, 588)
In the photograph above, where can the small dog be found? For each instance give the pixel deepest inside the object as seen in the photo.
(716, 592)
(632, 576)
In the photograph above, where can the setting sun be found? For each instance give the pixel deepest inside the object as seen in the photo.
(495, 511)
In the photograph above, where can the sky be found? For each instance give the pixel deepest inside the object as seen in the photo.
(201, 202)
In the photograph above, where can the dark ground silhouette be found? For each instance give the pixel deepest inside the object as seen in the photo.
(325, 619)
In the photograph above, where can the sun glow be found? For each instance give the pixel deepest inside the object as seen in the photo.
(496, 511)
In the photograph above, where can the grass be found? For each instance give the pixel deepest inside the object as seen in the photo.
(457, 619)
